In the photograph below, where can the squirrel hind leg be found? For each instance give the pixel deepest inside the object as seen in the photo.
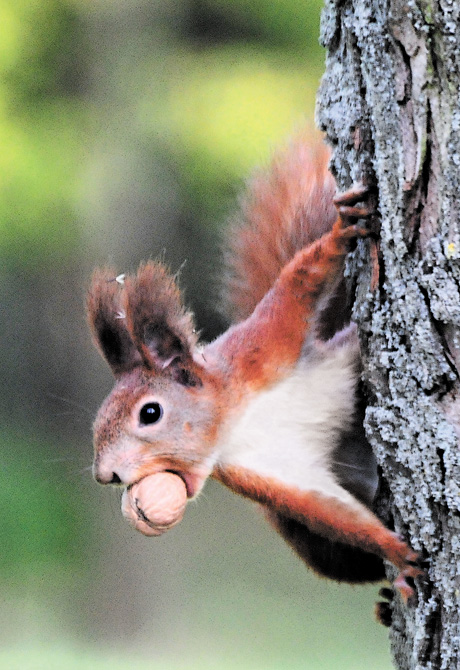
(383, 608)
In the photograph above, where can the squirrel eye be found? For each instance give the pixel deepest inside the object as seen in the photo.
(150, 413)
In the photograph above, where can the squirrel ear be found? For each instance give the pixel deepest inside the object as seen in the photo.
(108, 323)
(161, 328)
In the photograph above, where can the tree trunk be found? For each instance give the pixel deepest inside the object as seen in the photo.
(390, 104)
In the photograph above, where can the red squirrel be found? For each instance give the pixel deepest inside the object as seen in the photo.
(271, 408)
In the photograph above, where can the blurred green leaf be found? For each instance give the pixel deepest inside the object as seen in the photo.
(42, 132)
(38, 52)
(226, 110)
(292, 23)
(38, 177)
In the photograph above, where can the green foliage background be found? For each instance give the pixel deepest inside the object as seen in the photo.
(126, 131)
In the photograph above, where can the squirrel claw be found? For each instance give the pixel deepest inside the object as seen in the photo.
(383, 609)
(349, 211)
(354, 194)
(405, 589)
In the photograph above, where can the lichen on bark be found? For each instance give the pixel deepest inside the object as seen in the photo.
(390, 105)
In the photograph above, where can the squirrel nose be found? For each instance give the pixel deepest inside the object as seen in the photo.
(107, 479)
(105, 476)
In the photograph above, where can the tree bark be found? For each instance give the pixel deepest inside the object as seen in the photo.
(390, 105)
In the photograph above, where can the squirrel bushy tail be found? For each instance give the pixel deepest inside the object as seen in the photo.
(285, 208)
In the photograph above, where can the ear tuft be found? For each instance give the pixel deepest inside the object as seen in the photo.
(161, 328)
(108, 324)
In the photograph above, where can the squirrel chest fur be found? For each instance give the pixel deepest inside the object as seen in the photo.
(271, 408)
(292, 429)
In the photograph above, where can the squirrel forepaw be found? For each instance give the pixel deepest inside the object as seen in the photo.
(353, 205)
(347, 203)
(404, 586)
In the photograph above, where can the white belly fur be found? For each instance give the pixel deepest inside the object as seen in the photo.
(289, 431)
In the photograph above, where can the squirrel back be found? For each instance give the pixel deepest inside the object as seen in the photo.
(285, 208)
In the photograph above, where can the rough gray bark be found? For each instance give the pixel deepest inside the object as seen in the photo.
(390, 104)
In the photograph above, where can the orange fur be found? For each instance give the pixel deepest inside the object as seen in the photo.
(356, 526)
(284, 209)
(287, 313)
(326, 516)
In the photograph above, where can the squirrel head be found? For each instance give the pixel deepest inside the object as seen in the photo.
(161, 414)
